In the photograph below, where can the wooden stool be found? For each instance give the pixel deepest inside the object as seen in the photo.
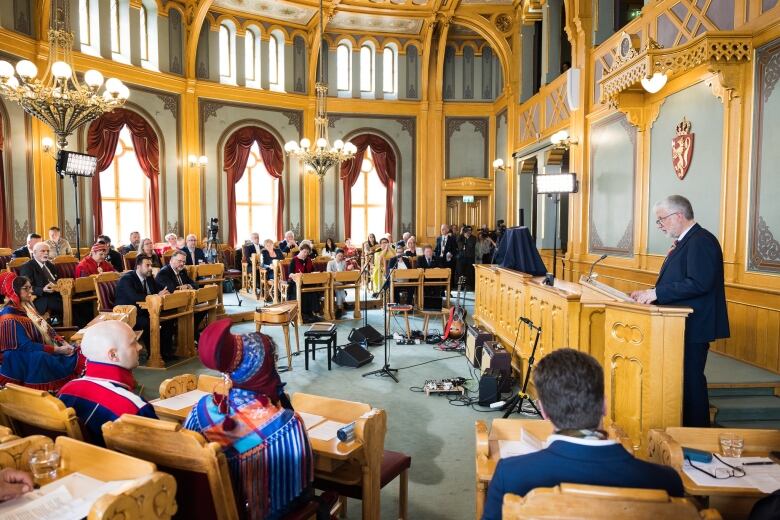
(399, 308)
(428, 314)
(284, 314)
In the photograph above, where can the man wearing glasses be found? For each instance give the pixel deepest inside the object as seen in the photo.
(691, 276)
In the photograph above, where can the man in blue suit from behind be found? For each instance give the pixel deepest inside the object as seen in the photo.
(691, 276)
(570, 385)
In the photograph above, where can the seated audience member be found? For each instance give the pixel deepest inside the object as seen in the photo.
(58, 246)
(351, 255)
(301, 264)
(133, 245)
(251, 248)
(174, 277)
(43, 276)
(312, 250)
(768, 508)
(147, 249)
(570, 385)
(371, 244)
(410, 248)
(269, 254)
(427, 260)
(107, 389)
(95, 263)
(26, 250)
(405, 237)
(264, 441)
(113, 256)
(399, 261)
(384, 253)
(135, 286)
(329, 248)
(31, 352)
(195, 255)
(337, 265)
(14, 483)
(172, 242)
(432, 296)
(288, 242)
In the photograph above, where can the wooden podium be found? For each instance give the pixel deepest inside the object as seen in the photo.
(639, 346)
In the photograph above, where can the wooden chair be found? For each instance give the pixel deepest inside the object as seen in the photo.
(182, 383)
(36, 412)
(363, 477)
(84, 251)
(347, 280)
(75, 291)
(65, 265)
(212, 273)
(281, 279)
(5, 257)
(233, 269)
(129, 260)
(6, 435)
(105, 290)
(582, 501)
(438, 277)
(16, 263)
(176, 306)
(315, 283)
(166, 256)
(254, 282)
(150, 496)
(207, 300)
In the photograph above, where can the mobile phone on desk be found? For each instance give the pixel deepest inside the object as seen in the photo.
(697, 455)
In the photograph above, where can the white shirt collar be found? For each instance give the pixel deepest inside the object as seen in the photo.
(577, 440)
(40, 264)
(685, 232)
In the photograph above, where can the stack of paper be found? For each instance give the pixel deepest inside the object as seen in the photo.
(764, 477)
(528, 443)
(326, 431)
(181, 401)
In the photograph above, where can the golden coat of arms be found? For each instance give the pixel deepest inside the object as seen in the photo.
(682, 149)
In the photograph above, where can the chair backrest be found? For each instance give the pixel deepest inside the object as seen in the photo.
(36, 412)
(65, 265)
(204, 488)
(16, 263)
(335, 409)
(151, 496)
(436, 275)
(346, 277)
(207, 294)
(316, 279)
(129, 260)
(582, 501)
(180, 384)
(84, 251)
(166, 256)
(211, 270)
(105, 288)
(284, 268)
(320, 265)
(229, 256)
(5, 257)
(406, 276)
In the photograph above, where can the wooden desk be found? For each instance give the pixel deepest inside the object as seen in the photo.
(665, 447)
(104, 316)
(488, 455)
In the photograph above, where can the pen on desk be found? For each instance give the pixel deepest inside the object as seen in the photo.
(765, 463)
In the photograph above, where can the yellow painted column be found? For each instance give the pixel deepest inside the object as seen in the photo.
(44, 179)
(311, 183)
(191, 196)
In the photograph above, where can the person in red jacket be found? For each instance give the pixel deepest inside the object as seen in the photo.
(95, 263)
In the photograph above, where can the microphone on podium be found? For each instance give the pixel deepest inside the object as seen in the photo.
(593, 266)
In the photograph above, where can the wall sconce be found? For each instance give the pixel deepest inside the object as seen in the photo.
(201, 161)
(654, 83)
(561, 139)
(499, 165)
(47, 143)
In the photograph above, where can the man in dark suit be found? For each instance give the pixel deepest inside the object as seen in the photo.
(252, 247)
(113, 256)
(43, 277)
(446, 249)
(135, 286)
(194, 254)
(25, 250)
(570, 386)
(431, 295)
(691, 276)
(427, 260)
(399, 261)
(135, 241)
(467, 250)
(174, 276)
(288, 242)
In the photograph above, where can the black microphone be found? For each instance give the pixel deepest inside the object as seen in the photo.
(593, 266)
(528, 322)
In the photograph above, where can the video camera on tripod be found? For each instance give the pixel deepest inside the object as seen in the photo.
(213, 229)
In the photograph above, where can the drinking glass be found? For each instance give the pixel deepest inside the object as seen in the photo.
(44, 462)
(737, 444)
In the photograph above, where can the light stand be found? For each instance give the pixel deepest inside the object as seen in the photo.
(553, 185)
(516, 402)
(76, 165)
(385, 370)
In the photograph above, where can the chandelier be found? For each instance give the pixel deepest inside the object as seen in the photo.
(322, 157)
(59, 99)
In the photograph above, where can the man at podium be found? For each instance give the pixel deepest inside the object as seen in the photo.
(692, 276)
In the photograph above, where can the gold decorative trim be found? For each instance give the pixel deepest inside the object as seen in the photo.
(720, 50)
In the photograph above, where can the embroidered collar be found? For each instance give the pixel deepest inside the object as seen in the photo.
(113, 373)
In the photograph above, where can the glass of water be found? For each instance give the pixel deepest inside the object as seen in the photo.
(44, 462)
(731, 444)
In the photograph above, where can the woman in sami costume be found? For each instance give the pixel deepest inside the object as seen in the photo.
(31, 352)
(264, 440)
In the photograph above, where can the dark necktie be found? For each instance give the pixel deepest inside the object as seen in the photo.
(671, 249)
(178, 279)
(443, 244)
(48, 274)
(146, 287)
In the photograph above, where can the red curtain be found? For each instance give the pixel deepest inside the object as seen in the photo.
(237, 150)
(102, 140)
(385, 164)
(5, 220)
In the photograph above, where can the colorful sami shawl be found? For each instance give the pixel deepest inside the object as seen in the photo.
(11, 317)
(268, 452)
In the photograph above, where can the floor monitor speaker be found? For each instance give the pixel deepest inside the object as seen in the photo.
(352, 355)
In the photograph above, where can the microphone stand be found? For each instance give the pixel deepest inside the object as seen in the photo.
(516, 402)
(385, 371)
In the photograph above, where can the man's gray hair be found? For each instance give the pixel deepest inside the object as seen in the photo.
(676, 203)
(179, 252)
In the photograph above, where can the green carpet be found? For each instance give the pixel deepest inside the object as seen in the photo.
(438, 435)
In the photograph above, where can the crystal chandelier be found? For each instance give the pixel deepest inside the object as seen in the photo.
(59, 99)
(322, 156)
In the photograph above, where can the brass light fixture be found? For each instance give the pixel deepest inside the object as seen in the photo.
(322, 156)
(59, 99)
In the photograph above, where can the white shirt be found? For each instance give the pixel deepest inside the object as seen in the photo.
(685, 232)
(578, 440)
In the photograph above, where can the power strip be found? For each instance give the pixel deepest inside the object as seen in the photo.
(407, 342)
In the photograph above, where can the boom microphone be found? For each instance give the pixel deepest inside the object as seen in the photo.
(593, 266)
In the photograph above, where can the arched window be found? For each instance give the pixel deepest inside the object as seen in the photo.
(256, 196)
(115, 25)
(368, 201)
(252, 57)
(276, 61)
(227, 54)
(367, 68)
(390, 69)
(343, 66)
(124, 192)
(85, 35)
(144, 30)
